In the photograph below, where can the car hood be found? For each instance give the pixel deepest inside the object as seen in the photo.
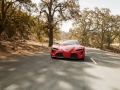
(68, 48)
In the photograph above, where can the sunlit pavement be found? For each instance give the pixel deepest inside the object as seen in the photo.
(99, 71)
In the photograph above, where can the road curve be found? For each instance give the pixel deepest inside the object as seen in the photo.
(99, 71)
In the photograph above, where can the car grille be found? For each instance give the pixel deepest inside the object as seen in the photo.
(59, 55)
(74, 55)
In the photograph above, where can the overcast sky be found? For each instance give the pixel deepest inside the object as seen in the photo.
(113, 5)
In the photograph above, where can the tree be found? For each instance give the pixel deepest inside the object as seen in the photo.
(57, 11)
(9, 7)
(97, 27)
(113, 29)
(86, 23)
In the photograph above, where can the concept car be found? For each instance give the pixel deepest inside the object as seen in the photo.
(68, 49)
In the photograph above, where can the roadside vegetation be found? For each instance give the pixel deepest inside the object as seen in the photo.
(97, 28)
(25, 20)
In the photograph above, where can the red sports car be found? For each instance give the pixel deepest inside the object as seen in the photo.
(68, 49)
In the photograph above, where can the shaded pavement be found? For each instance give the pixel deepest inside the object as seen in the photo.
(39, 72)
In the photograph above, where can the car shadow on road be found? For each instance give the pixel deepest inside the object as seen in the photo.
(86, 59)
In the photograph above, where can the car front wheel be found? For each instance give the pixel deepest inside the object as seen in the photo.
(52, 57)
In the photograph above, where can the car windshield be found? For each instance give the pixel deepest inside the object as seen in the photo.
(69, 42)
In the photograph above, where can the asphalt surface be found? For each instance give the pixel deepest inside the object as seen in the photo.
(99, 71)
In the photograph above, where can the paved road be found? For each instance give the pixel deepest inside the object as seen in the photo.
(99, 71)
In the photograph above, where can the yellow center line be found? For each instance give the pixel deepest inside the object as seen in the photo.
(93, 61)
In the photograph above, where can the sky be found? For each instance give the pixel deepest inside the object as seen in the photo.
(113, 5)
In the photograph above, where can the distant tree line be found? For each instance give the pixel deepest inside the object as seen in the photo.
(96, 28)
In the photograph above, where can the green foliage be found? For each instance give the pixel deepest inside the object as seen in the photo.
(96, 27)
(16, 21)
(57, 11)
(42, 30)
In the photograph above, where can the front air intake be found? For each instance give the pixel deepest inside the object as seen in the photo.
(74, 55)
(59, 55)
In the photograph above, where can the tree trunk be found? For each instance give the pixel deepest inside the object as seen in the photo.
(102, 39)
(1, 29)
(108, 45)
(2, 16)
(51, 36)
(108, 41)
(50, 23)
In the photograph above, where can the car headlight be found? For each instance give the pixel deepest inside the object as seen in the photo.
(54, 48)
(79, 50)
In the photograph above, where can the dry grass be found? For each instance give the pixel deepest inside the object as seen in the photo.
(112, 48)
(8, 48)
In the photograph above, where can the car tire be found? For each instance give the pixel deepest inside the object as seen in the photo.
(83, 58)
(52, 57)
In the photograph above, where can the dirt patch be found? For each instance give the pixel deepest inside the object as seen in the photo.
(112, 48)
(8, 48)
